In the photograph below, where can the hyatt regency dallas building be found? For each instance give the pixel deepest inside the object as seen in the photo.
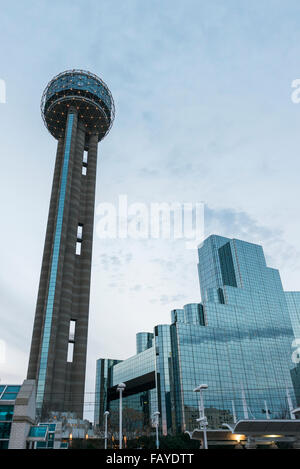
(238, 341)
(78, 110)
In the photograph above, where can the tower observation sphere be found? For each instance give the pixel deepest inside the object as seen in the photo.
(84, 92)
(78, 110)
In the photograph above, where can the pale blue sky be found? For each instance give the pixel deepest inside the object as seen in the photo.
(203, 113)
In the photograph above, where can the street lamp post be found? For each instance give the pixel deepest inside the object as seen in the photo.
(202, 419)
(156, 424)
(120, 388)
(106, 414)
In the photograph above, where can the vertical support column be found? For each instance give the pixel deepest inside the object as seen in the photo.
(33, 365)
(24, 415)
(62, 398)
(83, 273)
(53, 294)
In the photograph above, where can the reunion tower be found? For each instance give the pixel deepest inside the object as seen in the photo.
(78, 110)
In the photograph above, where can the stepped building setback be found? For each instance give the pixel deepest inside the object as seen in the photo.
(238, 341)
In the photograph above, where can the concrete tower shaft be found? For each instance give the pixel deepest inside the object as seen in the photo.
(59, 341)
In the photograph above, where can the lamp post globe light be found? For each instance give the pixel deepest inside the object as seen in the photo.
(156, 424)
(106, 414)
(202, 419)
(121, 387)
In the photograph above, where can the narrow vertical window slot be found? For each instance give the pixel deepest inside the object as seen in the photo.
(78, 248)
(70, 352)
(72, 330)
(79, 239)
(84, 163)
(71, 341)
(79, 231)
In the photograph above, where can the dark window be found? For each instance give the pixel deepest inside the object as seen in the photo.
(6, 412)
(227, 267)
(5, 430)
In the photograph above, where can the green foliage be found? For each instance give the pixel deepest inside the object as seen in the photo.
(179, 441)
(80, 443)
(175, 442)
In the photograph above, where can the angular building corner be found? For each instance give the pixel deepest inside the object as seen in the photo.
(238, 340)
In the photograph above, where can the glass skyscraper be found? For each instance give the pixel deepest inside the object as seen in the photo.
(238, 341)
(293, 302)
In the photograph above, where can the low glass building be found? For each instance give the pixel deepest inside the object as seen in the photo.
(8, 395)
(238, 341)
(18, 426)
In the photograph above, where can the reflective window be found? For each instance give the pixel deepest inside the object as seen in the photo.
(54, 266)
(6, 413)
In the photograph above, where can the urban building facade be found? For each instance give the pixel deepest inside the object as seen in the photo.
(293, 302)
(238, 341)
(78, 110)
(18, 428)
(8, 396)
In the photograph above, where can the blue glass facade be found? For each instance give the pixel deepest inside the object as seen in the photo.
(164, 376)
(293, 302)
(45, 431)
(238, 341)
(6, 416)
(138, 365)
(54, 267)
(245, 346)
(8, 394)
(138, 409)
(80, 82)
(144, 340)
(104, 368)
